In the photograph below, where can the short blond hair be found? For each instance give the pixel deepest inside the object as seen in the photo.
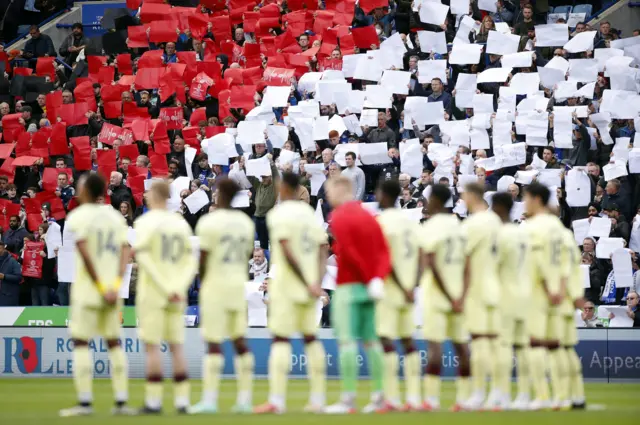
(161, 189)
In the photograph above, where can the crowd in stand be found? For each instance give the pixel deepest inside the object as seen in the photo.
(422, 93)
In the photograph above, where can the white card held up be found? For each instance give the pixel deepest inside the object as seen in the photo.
(525, 82)
(580, 230)
(502, 44)
(411, 160)
(308, 80)
(494, 75)
(465, 54)
(504, 183)
(368, 68)
(349, 64)
(317, 177)
(586, 276)
(369, 118)
(433, 13)
(432, 113)
(483, 103)
(600, 227)
(517, 60)
(558, 62)
(603, 55)
(614, 170)
(277, 134)
(620, 318)
(276, 96)
(606, 246)
(353, 124)
(581, 42)
(433, 42)
(196, 201)
(467, 82)
(397, 82)
(583, 70)
(374, 153)
(459, 7)
(251, 132)
(430, 69)
(578, 187)
(550, 177)
(488, 5)
(260, 167)
(634, 161)
(321, 128)
(377, 97)
(622, 269)
(549, 77)
(525, 177)
(552, 35)
(479, 139)
(337, 123)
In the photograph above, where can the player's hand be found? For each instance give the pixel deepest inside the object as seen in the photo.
(315, 290)
(175, 298)
(375, 288)
(555, 299)
(110, 297)
(457, 306)
(408, 295)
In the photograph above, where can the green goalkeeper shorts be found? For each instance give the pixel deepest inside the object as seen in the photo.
(353, 313)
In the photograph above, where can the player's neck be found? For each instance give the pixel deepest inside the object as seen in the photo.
(474, 209)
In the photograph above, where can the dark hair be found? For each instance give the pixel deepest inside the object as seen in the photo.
(441, 193)
(95, 185)
(27, 109)
(502, 200)
(227, 189)
(437, 79)
(390, 188)
(17, 217)
(76, 25)
(548, 148)
(351, 154)
(291, 180)
(538, 190)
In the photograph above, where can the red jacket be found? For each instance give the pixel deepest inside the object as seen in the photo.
(360, 245)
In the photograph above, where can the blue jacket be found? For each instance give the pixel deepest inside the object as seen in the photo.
(14, 239)
(10, 285)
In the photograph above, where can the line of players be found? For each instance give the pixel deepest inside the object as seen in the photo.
(507, 286)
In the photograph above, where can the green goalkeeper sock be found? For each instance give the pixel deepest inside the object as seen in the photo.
(376, 366)
(349, 366)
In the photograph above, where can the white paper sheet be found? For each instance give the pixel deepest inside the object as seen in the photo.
(494, 75)
(479, 139)
(525, 82)
(196, 201)
(251, 132)
(465, 54)
(549, 77)
(620, 319)
(377, 97)
(622, 270)
(411, 160)
(578, 187)
(53, 239)
(430, 69)
(374, 153)
(433, 42)
(581, 42)
(397, 82)
(258, 167)
(241, 199)
(550, 177)
(606, 246)
(325, 90)
(276, 96)
(317, 176)
(488, 5)
(517, 60)
(483, 103)
(552, 35)
(634, 161)
(368, 68)
(599, 227)
(583, 70)
(580, 230)
(66, 264)
(502, 44)
(433, 13)
(369, 117)
(615, 170)
(277, 135)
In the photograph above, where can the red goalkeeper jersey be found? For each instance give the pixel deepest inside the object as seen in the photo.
(359, 244)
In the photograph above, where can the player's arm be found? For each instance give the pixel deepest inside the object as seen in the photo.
(145, 262)
(125, 257)
(291, 260)
(430, 263)
(83, 250)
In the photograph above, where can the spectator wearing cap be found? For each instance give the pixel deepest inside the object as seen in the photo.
(613, 195)
(38, 46)
(72, 45)
(10, 277)
(382, 133)
(13, 238)
(620, 227)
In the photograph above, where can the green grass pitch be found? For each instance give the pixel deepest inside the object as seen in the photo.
(37, 401)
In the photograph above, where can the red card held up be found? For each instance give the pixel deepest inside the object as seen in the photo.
(364, 37)
(112, 110)
(6, 149)
(58, 145)
(129, 151)
(125, 65)
(161, 32)
(137, 37)
(46, 67)
(369, 5)
(172, 117)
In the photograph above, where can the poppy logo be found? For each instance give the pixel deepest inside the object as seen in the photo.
(26, 353)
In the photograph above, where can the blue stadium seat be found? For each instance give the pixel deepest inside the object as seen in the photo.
(583, 8)
(563, 9)
(267, 255)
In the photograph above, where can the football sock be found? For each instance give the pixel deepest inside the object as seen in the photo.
(181, 391)
(432, 385)
(522, 371)
(279, 364)
(349, 367)
(213, 364)
(244, 365)
(463, 389)
(153, 392)
(576, 382)
(83, 374)
(502, 364)
(412, 376)
(391, 381)
(537, 369)
(316, 369)
(480, 364)
(119, 373)
(559, 374)
(376, 367)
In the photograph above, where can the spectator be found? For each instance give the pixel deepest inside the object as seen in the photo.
(264, 193)
(64, 190)
(355, 174)
(527, 24)
(258, 265)
(118, 192)
(73, 44)
(589, 316)
(596, 277)
(39, 46)
(382, 133)
(13, 238)
(10, 277)
(127, 212)
(613, 197)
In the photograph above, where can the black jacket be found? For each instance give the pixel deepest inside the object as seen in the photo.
(10, 284)
(14, 239)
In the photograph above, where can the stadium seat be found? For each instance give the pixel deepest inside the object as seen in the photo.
(563, 9)
(583, 8)
(267, 255)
